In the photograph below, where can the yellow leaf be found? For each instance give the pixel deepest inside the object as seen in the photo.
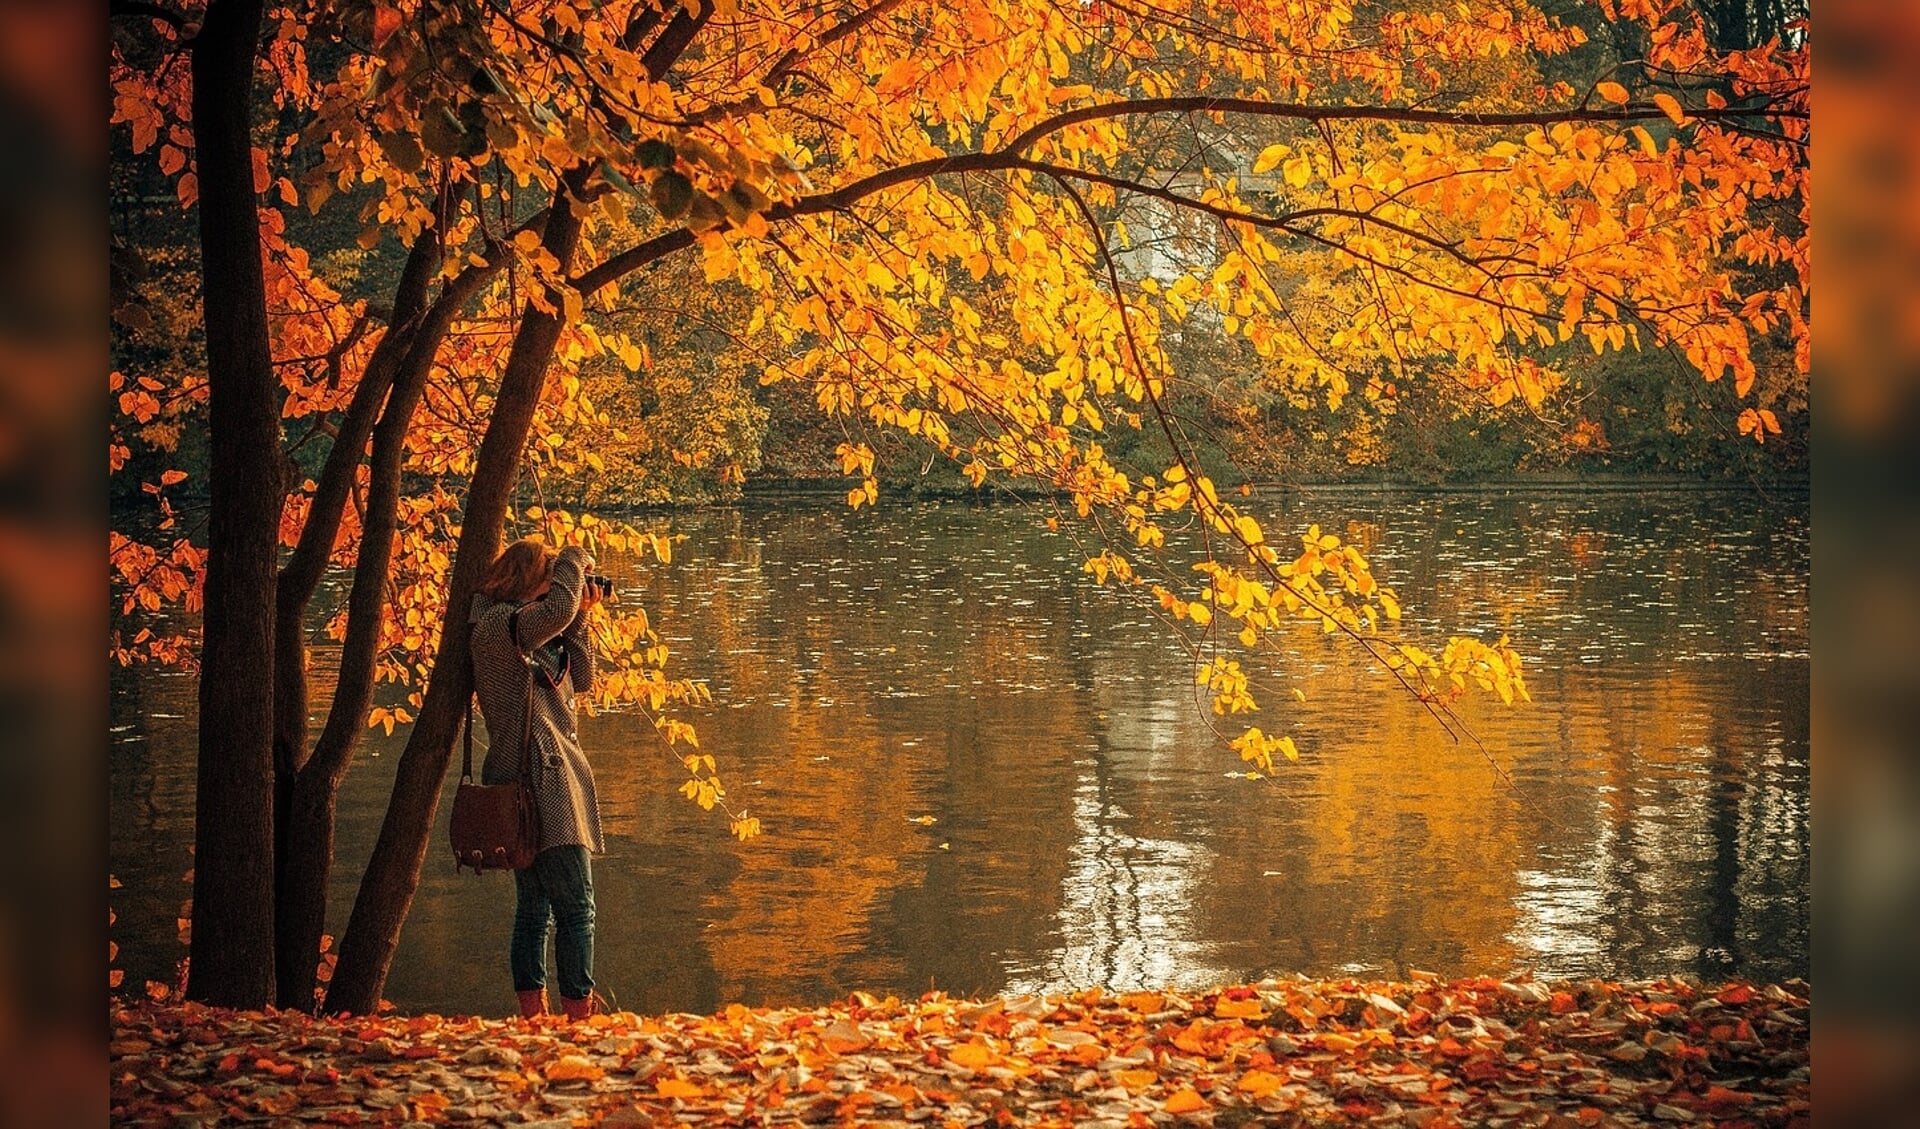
(1270, 157)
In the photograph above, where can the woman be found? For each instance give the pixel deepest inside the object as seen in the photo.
(529, 620)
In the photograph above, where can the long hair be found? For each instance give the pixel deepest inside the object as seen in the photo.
(519, 569)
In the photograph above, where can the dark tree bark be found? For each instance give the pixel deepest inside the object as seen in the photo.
(299, 579)
(393, 873)
(310, 817)
(232, 949)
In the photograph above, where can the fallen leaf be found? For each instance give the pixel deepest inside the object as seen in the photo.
(973, 1056)
(574, 1068)
(844, 1038)
(1185, 1101)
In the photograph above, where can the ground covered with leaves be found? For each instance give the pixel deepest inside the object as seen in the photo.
(1427, 1053)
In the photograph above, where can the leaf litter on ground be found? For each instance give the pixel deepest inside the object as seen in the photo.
(1425, 1052)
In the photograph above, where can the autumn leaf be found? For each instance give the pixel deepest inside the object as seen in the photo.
(844, 1038)
(1185, 1100)
(573, 1068)
(974, 1056)
(677, 1088)
(1671, 107)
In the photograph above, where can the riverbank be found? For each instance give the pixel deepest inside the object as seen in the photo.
(1427, 1053)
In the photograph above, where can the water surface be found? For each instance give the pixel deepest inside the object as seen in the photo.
(978, 772)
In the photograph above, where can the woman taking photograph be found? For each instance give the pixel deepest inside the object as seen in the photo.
(529, 621)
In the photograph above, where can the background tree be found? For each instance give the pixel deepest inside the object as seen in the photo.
(924, 213)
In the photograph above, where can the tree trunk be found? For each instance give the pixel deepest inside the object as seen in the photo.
(308, 562)
(295, 962)
(232, 949)
(309, 835)
(393, 873)
(301, 904)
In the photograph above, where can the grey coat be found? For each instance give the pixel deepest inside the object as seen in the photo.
(569, 810)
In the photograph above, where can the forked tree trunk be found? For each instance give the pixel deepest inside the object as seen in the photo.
(393, 873)
(232, 948)
(299, 579)
(310, 817)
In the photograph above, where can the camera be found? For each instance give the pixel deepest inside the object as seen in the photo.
(602, 586)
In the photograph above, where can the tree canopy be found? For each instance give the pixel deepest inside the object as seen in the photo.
(507, 246)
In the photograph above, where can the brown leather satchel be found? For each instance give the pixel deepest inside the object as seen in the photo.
(497, 826)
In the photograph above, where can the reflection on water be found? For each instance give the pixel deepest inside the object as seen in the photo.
(1125, 921)
(979, 773)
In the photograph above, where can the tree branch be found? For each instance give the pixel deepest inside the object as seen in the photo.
(793, 57)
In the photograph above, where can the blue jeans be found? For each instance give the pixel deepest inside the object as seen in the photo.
(555, 892)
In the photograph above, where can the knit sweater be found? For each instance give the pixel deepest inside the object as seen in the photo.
(560, 660)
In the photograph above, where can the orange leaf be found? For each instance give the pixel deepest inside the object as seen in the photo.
(676, 1088)
(973, 1056)
(1612, 92)
(1260, 1083)
(1238, 1009)
(386, 21)
(1186, 1101)
(430, 1105)
(1192, 1038)
(844, 1038)
(1671, 107)
(574, 1068)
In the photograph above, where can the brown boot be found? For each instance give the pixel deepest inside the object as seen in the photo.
(576, 1009)
(532, 1003)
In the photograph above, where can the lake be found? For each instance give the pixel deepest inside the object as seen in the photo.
(978, 772)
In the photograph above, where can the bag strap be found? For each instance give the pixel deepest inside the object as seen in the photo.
(466, 752)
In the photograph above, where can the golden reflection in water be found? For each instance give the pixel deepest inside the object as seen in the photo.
(979, 774)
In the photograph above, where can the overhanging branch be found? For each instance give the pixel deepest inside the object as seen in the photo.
(1013, 155)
